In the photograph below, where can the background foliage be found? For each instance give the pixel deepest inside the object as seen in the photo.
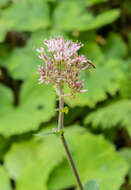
(98, 126)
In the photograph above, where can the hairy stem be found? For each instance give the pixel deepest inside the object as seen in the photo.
(60, 126)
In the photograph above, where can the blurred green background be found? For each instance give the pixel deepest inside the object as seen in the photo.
(98, 126)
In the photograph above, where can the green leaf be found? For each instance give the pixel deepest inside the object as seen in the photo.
(108, 75)
(64, 110)
(115, 47)
(117, 113)
(103, 19)
(77, 18)
(93, 51)
(103, 164)
(4, 179)
(21, 64)
(91, 185)
(34, 108)
(15, 159)
(53, 132)
(45, 162)
(36, 16)
(126, 153)
(30, 163)
(34, 171)
(44, 134)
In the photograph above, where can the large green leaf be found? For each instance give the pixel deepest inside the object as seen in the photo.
(20, 63)
(34, 108)
(115, 46)
(117, 113)
(34, 149)
(126, 153)
(103, 19)
(79, 19)
(16, 161)
(93, 51)
(74, 19)
(104, 79)
(4, 179)
(31, 163)
(30, 16)
(102, 164)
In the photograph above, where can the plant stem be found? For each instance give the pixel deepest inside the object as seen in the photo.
(61, 106)
(71, 161)
(60, 126)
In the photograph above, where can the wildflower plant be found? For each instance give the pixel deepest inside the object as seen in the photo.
(63, 65)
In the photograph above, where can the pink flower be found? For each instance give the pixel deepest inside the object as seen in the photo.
(63, 64)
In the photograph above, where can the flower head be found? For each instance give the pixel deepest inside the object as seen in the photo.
(64, 64)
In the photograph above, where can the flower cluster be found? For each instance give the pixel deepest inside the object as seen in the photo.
(64, 64)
